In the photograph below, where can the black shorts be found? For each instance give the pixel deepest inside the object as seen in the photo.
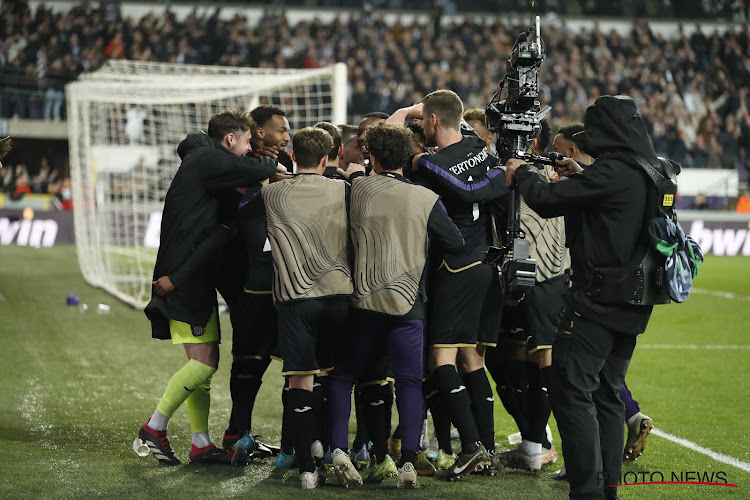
(309, 331)
(255, 327)
(534, 320)
(456, 305)
(489, 320)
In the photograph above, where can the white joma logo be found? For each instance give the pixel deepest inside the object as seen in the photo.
(303, 410)
(458, 389)
(377, 403)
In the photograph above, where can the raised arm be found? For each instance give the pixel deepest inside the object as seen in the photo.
(487, 187)
(220, 170)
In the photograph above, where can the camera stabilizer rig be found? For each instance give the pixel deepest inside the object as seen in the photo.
(516, 121)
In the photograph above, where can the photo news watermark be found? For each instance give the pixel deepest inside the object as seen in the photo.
(645, 478)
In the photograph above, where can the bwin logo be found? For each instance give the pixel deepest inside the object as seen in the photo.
(28, 232)
(458, 389)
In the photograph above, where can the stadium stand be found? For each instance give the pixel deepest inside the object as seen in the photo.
(692, 88)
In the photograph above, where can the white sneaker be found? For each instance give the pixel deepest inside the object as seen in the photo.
(517, 458)
(424, 438)
(515, 439)
(317, 451)
(309, 480)
(455, 435)
(433, 450)
(561, 475)
(639, 427)
(407, 477)
(549, 455)
(345, 470)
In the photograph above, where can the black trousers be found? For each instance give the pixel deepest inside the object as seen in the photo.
(589, 363)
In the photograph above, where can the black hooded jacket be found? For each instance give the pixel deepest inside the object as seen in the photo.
(605, 207)
(191, 213)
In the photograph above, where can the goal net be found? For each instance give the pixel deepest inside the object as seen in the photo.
(125, 122)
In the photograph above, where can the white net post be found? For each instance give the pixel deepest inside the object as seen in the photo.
(124, 124)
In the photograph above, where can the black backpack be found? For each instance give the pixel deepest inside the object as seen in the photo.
(650, 278)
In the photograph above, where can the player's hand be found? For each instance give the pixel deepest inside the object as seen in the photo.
(415, 161)
(350, 169)
(269, 151)
(281, 174)
(163, 286)
(566, 167)
(415, 111)
(510, 170)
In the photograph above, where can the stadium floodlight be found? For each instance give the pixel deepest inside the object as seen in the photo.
(125, 121)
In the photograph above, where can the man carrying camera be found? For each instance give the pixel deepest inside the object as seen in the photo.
(606, 207)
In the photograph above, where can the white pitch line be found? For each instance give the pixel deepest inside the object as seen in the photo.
(723, 295)
(693, 346)
(725, 459)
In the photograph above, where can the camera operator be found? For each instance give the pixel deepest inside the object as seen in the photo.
(571, 143)
(596, 337)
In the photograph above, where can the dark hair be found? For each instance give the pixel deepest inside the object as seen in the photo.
(335, 135)
(418, 130)
(347, 131)
(446, 105)
(262, 114)
(389, 143)
(229, 121)
(310, 145)
(569, 133)
(544, 136)
(377, 114)
(474, 114)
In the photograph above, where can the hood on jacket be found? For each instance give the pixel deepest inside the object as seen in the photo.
(194, 140)
(613, 125)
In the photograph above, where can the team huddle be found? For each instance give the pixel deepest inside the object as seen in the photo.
(363, 272)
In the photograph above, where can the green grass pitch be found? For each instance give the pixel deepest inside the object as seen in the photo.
(76, 387)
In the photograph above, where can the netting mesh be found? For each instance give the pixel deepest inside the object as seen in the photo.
(125, 123)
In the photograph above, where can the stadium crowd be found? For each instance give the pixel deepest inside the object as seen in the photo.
(692, 90)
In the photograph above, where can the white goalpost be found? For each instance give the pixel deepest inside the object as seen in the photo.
(124, 124)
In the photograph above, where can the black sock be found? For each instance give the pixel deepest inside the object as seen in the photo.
(514, 391)
(397, 433)
(375, 397)
(482, 406)
(458, 403)
(287, 443)
(244, 384)
(440, 417)
(407, 456)
(302, 406)
(321, 427)
(538, 405)
(544, 409)
(362, 436)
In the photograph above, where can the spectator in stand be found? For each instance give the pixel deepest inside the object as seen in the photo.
(676, 81)
(40, 181)
(64, 195)
(22, 182)
(743, 203)
(700, 202)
